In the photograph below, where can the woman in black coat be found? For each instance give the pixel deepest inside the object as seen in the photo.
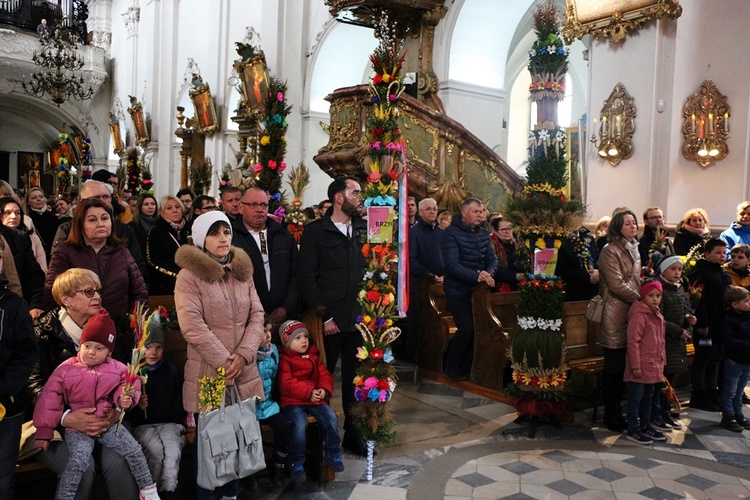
(691, 230)
(45, 221)
(170, 232)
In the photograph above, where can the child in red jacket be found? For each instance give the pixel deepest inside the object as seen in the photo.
(306, 386)
(91, 380)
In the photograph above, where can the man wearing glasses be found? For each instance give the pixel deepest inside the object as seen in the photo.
(273, 252)
(202, 204)
(102, 191)
(653, 220)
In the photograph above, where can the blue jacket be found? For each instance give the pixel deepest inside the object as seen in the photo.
(267, 369)
(465, 251)
(424, 250)
(736, 233)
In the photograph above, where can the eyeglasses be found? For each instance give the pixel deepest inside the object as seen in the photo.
(208, 208)
(505, 229)
(103, 197)
(254, 205)
(89, 292)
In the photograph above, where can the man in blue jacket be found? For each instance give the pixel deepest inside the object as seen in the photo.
(468, 258)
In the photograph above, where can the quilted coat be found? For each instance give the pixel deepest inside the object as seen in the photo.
(74, 385)
(219, 314)
(645, 344)
(675, 311)
(267, 367)
(465, 251)
(619, 286)
(300, 374)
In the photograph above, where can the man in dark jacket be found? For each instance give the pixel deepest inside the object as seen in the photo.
(469, 258)
(331, 267)
(18, 354)
(102, 191)
(424, 258)
(273, 252)
(653, 221)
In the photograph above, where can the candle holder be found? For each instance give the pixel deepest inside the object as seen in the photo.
(616, 127)
(705, 125)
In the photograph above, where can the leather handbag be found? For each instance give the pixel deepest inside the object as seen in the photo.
(595, 309)
(229, 442)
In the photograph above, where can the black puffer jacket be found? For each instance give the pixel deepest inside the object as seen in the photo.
(465, 251)
(18, 349)
(736, 334)
(675, 312)
(710, 310)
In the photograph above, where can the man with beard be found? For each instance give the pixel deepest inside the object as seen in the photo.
(331, 267)
(273, 252)
(653, 220)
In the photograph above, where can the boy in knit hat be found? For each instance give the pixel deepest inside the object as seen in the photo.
(306, 387)
(91, 380)
(159, 417)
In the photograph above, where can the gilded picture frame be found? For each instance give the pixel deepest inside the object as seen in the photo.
(254, 81)
(205, 113)
(116, 134)
(139, 122)
(613, 18)
(573, 157)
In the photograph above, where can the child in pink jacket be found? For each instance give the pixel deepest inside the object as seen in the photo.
(91, 380)
(644, 364)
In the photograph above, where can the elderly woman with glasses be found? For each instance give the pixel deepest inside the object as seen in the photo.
(507, 276)
(170, 232)
(93, 245)
(78, 294)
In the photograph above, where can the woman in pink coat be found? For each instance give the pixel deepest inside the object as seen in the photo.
(644, 365)
(220, 315)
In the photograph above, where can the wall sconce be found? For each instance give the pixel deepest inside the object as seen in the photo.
(705, 125)
(616, 127)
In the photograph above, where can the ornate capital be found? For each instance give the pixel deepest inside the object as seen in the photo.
(131, 18)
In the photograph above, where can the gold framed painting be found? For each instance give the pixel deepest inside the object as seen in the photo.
(613, 18)
(205, 112)
(139, 122)
(254, 81)
(573, 157)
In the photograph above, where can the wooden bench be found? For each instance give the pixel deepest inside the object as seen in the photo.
(435, 325)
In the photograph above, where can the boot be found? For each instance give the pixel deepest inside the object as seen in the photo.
(278, 469)
(699, 401)
(612, 409)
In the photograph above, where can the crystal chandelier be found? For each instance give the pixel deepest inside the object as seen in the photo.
(60, 62)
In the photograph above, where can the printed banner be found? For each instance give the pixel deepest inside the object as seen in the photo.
(380, 224)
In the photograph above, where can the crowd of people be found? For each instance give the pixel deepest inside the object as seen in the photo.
(74, 268)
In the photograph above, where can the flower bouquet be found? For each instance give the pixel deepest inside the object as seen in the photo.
(211, 390)
(136, 369)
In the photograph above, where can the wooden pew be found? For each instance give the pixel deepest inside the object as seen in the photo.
(435, 325)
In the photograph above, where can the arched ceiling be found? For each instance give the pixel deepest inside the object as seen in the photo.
(39, 121)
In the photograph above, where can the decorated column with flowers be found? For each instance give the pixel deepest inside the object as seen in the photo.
(272, 146)
(548, 64)
(379, 300)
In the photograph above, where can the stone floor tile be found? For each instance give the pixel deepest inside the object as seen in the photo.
(455, 487)
(541, 462)
(730, 443)
(715, 476)
(566, 487)
(589, 455)
(496, 490)
(643, 463)
(724, 491)
(605, 474)
(624, 495)
(668, 471)
(612, 456)
(456, 498)
(519, 467)
(632, 484)
(593, 495)
(624, 468)
(467, 468)
(474, 479)
(518, 496)
(657, 493)
(559, 456)
(499, 474)
(542, 477)
(741, 460)
(589, 481)
(498, 458)
(682, 490)
(539, 491)
(581, 465)
(368, 492)
(695, 481)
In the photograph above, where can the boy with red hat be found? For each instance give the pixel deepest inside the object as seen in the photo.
(306, 387)
(91, 380)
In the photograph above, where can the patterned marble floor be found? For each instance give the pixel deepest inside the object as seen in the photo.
(453, 443)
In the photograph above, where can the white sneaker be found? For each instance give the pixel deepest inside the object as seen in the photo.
(149, 493)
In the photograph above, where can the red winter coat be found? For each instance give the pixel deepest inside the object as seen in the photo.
(646, 344)
(299, 375)
(74, 385)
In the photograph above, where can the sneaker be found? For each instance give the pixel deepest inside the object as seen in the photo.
(731, 424)
(149, 493)
(334, 463)
(654, 434)
(639, 437)
(298, 473)
(745, 423)
(661, 426)
(675, 424)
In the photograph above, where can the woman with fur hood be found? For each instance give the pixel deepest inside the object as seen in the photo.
(220, 316)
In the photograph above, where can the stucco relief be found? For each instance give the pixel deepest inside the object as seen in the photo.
(15, 43)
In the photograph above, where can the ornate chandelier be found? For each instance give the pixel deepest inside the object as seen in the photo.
(60, 62)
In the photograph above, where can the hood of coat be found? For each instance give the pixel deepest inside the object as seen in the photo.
(639, 307)
(207, 269)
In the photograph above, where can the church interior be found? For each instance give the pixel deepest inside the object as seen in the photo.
(653, 105)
